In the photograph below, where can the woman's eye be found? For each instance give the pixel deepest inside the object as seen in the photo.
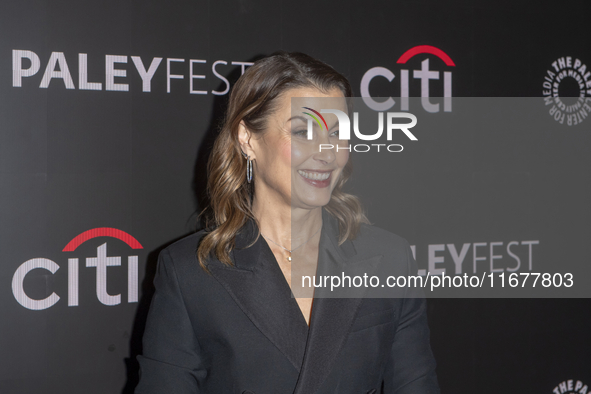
(335, 133)
(300, 132)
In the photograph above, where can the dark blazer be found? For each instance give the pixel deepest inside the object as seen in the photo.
(239, 330)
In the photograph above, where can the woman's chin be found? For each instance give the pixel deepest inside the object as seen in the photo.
(310, 203)
(312, 195)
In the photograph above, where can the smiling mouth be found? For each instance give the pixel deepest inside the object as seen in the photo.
(315, 176)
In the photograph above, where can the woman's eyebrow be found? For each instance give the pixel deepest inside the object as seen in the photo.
(304, 119)
(297, 117)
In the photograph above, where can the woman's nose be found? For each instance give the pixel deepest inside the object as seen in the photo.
(325, 150)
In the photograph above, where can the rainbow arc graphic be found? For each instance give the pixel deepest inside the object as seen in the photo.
(315, 118)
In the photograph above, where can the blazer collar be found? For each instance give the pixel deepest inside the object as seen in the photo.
(258, 286)
(245, 257)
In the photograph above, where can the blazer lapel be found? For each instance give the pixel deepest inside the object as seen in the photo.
(331, 317)
(258, 286)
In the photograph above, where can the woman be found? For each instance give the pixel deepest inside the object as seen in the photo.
(223, 319)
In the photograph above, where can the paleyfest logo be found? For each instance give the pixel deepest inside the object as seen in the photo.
(344, 127)
(100, 262)
(571, 387)
(565, 72)
(26, 65)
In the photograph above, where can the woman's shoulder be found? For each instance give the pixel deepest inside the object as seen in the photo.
(183, 252)
(370, 235)
(396, 255)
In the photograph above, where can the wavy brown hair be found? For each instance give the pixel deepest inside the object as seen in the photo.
(253, 98)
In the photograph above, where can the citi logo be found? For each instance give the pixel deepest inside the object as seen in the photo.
(424, 75)
(101, 262)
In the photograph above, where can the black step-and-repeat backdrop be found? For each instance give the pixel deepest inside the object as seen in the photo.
(108, 110)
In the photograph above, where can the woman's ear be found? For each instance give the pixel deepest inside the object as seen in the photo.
(244, 139)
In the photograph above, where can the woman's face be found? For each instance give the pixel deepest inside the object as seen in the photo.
(290, 167)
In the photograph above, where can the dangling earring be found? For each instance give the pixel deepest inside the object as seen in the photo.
(249, 170)
(248, 167)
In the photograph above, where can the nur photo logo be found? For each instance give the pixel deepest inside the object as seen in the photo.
(343, 125)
